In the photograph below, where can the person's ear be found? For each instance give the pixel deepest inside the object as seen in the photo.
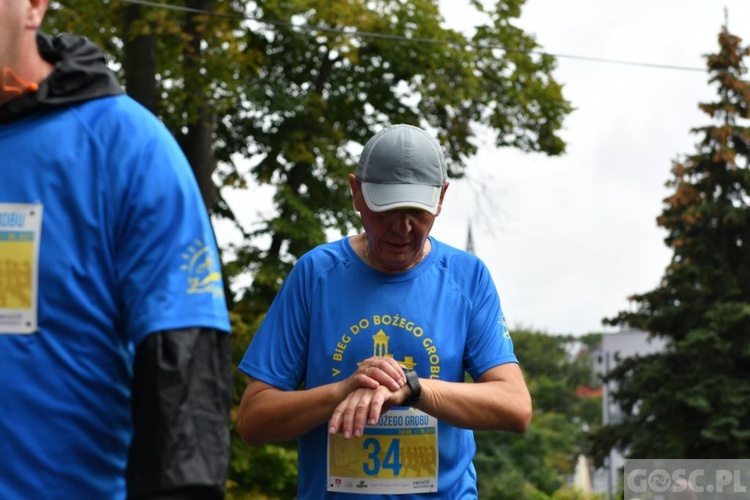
(356, 190)
(442, 196)
(35, 13)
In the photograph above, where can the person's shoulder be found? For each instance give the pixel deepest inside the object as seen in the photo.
(120, 113)
(467, 271)
(121, 105)
(325, 254)
(453, 256)
(126, 129)
(325, 260)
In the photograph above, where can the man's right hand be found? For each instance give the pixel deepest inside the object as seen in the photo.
(374, 372)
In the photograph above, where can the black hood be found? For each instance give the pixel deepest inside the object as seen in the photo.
(80, 74)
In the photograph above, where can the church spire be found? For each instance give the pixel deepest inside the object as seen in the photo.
(469, 241)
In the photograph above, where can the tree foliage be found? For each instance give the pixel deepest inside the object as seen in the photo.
(281, 94)
(291, 88)
(690, 401)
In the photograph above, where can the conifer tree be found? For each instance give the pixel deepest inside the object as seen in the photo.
(691, 400)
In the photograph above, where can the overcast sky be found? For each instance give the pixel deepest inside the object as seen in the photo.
(572, 237)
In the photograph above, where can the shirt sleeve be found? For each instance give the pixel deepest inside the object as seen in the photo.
(488, 341)
(166, 256)
(182, 394)
(277, 355)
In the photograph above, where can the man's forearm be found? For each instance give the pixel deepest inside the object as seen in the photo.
(271, 414)
(500, 404)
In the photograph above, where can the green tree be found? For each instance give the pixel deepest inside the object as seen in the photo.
(282, 93)
(691, 400)
(326, 90)
(294, 86)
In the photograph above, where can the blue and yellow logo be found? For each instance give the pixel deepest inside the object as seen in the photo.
(202, 268)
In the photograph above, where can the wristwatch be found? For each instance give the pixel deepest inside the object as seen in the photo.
(412, 380)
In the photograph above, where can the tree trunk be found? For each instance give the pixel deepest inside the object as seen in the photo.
(197, 143)
(139, 61)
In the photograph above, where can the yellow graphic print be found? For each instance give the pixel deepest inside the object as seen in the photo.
(398, 454)
(418, 461)
(393, 453)
(202, 269)
(381, 340)
(16, 254)
(20, 233)
(380, 348)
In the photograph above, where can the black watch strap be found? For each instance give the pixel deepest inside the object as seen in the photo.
(412, 380)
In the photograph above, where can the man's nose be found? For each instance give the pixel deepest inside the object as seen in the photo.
(402, 221)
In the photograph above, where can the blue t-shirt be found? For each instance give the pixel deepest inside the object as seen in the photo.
(442, 317)
(126, 249)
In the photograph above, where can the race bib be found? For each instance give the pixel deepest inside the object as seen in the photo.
(20, 232)
(398, 455)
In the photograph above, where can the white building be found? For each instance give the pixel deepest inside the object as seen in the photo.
(617, 346)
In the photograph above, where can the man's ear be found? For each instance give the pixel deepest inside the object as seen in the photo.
(442, 196)
(35, 13)
(356, 190)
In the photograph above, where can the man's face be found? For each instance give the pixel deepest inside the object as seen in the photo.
(12, 28)
(396, 238)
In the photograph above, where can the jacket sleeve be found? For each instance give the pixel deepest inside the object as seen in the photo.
(182, 393)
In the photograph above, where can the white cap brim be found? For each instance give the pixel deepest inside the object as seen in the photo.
(382, 197)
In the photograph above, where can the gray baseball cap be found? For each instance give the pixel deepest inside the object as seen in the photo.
(402, 166)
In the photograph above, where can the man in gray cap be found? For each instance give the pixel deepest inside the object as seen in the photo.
(380, 329)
